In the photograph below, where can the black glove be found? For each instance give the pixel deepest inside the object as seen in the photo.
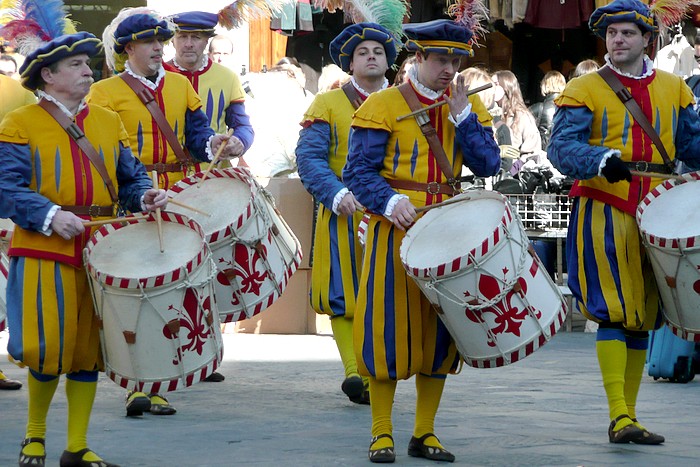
(615, 170)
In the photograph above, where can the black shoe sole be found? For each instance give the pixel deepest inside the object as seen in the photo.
(138, 407)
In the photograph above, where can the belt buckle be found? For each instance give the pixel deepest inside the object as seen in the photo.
(159, 167)
(188, 169)
(94, 210)
(642, 166)
(430, 186)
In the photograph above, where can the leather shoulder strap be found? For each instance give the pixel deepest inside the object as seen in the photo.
(352, 94)
(81, 140)
(428, 131)
(146, 96)
(626, 97)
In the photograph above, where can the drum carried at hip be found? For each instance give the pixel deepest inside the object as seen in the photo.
(159, 325)
(669, 222)
(253, 248)
(6, 229)
(473, 261)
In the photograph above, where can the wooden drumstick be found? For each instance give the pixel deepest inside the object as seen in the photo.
(122, 220)
(187, 206)
(159, 220)
(447, 202)
(441, 103)
(222, 146)
(657, 175)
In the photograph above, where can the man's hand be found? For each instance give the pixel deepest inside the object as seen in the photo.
(458, 100)
(403, 214)
(234, 147)
(154, 199)
(615, 170)
(67, 225)
(348, 205)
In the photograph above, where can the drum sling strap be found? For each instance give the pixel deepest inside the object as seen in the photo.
(81, 140)
(452, 187)
(146, 96)
(352, 95)
(633, 107)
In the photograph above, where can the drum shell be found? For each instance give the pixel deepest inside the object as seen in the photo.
(675, 260)
(6, 229)
(530, 311)
(255, 254)
(157, 334)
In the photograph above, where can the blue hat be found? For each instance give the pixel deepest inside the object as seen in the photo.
(623, 11)
(140, 26)
(196, 21)
(441, 36)
(55, 50)
(343, 46)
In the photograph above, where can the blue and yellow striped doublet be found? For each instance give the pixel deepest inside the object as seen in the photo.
(50, 312)
(387, 348)
(610, 276)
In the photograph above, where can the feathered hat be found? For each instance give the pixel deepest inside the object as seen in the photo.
(661, 13)
(376, 21)
(41, 31)
(230, 17)
(132, 24)
(457, 36)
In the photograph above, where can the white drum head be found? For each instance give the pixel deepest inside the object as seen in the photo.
(133, 252)
(673, 214)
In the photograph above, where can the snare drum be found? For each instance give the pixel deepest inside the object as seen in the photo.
(669, 221)
(253, 248)
(6, 229)
(159, 326)
(474, 262)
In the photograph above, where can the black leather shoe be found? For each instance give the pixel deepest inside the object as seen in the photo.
(215, 377)
(648, 437)
(417, 448)
(10, 384)
(383, 455)
(75, 459)
(160, 408)
(26, 460)
(628, 434)
(137, 403)
(353, 387)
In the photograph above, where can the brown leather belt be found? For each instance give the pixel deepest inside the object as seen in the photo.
(162, 168)
(642, 166)
(93, 210)
(434, 188)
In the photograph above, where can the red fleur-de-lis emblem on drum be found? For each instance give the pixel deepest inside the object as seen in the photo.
(192, 321)
(247, 267)
(508, 317)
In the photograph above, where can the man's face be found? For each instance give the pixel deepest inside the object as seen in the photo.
(437, 70)
(189, 48)
(369, 60)
(7, 68)
(625, 43)
(220, 50)
(146, 56)
(72, 78)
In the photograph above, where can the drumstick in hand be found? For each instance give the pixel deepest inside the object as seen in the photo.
(656, 175)
(159, 220)
(222, 146)
(187, 206)
(122, 220)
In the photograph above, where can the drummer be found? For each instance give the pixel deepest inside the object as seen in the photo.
(391, 169)
(49, 187)
(595, 141)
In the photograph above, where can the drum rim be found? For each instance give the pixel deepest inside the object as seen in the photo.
(235, 173)
(460, 263)
(159, 280)
(656, 192)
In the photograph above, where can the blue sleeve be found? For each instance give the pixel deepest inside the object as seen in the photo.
(24, 206)
(238, 119)
(688, 138)
(312, 163)
(479, 147)
(197, 134)
(132, 179)
(568, 148)
(361, 172)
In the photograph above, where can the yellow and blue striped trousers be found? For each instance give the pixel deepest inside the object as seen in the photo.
(337, 258)
(397, 332)
(53, 329)
(609, 271)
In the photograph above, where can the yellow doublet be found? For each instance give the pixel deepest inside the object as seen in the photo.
(174, 96)
(13, 95)
(217, 88)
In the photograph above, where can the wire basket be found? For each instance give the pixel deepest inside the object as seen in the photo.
(542, 211)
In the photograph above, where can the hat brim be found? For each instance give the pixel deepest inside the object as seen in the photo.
(52, 52)
(121, 42)
(441, 47)
(600, 21)
(343, 46)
